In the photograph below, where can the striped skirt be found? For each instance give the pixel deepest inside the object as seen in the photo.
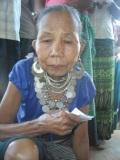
(59, 152)
(104, 66)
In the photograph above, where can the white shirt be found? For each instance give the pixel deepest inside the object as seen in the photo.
(102, 23)
(10, 11)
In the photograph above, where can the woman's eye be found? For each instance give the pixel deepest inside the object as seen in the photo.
(47, 40)
(68, 41)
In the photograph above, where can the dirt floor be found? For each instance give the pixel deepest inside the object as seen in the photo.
(111, 151)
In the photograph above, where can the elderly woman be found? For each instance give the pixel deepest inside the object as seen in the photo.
(36, 122)
(83, 6)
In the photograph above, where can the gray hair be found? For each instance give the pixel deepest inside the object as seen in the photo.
(75, 15)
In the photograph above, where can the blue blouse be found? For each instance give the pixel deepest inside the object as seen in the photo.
(30, 108)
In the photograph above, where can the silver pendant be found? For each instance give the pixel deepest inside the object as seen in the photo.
(42, 101)
(60, 105)
(69, 95)
(46, 109)
(51, 104)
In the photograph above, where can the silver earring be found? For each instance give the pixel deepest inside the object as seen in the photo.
(37, 70)
(79, 69)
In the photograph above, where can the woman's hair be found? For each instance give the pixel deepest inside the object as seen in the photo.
(75, 15)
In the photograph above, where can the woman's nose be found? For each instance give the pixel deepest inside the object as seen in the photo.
(57, 49)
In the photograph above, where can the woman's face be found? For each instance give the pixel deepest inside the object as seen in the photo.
(58, 45)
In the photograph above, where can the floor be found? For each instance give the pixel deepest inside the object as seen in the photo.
(111, 151)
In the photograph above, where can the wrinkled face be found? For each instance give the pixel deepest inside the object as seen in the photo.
(58, 45)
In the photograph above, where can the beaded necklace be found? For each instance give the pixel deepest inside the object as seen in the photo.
(45, 87)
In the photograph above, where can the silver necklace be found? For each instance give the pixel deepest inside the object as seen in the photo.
(45, 86)
(57, 86)
(43, 90)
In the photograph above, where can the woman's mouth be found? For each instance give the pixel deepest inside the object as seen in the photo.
(57, 66)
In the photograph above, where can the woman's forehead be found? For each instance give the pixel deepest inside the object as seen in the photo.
(56, 20)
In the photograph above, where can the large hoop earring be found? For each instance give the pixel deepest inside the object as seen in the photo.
(36, 69)
(79, 69)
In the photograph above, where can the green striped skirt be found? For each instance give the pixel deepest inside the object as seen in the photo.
(104, 66)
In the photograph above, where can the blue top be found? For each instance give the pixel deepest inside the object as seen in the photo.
(30, 108)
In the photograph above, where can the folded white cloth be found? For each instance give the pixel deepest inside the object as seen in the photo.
(83, 116)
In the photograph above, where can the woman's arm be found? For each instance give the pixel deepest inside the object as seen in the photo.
(81, 140)
(29, 128)
(59, 123)
(8, 110)
(9, 104)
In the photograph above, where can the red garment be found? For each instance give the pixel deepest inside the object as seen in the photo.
(53, 2)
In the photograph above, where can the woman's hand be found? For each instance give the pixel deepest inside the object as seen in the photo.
(60, 123)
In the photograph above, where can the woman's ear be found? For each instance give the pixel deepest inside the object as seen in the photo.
(83, 44)
(34, 44)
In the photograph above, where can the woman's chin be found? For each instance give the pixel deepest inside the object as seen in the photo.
(57, 75)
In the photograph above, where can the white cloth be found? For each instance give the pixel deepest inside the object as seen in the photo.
(102, 23)
(10, 11)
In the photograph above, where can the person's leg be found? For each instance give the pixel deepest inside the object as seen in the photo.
(3, 67)
(13, 53)
(9, 54)
(22, 149)
(93, 139)
(104, 66)
(25, 47)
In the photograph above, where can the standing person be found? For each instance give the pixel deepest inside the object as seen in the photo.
(104, 64)
(10, 11)
(42, 92)
(88, 52)
(28, 30)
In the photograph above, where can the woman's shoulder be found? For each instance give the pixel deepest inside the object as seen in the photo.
(86, 82)
(22, 69)
(21, 75)
(24, 62)
(23, 65)
(86, 77)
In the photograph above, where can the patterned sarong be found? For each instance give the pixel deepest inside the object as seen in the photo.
(59, 152)
(89, 51)
(104, 65)
(87, 57)
(60, 149)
